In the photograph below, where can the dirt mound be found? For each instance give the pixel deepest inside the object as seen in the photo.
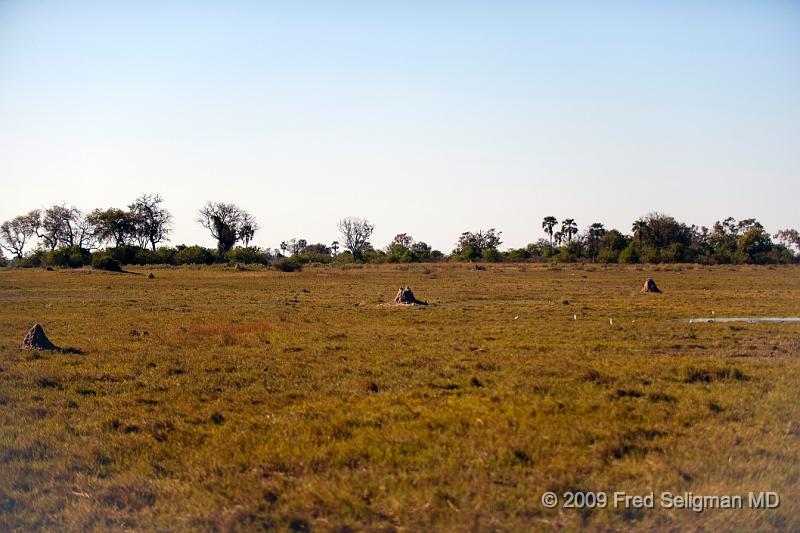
(650, 286)
(406, 297)
(37, 340)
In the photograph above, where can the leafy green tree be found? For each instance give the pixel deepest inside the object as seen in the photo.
(113, 225)
(472, 245)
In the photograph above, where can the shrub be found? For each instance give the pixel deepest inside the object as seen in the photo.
(106, 262)
(374, 256)
(674, 253)
(194, 255)
(491, 254)
(125, 255)
(247, 255)
(629, 255)
(313, 257)
(566, 254)
(145, 256)
(32, 260)
(519, 253)
(66, 256)
(286, 264)
(649, 254)
(344, 258)
(165, 255)
(607, 255)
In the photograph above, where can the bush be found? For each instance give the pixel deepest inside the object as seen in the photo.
(344, 258)
(247, 255)
(608, 255)
(124, 255)
(165, 255)
(629, 255)
(519, 253)
(674, 253)
(66, 256)
(286, 264)
(194, 255)
(106, 262)
(566, 254)
(374, 256)
(32, 260)
(313, 257)
(649, 254)
(491, 254)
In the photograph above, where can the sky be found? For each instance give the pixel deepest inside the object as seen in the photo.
(425, 117)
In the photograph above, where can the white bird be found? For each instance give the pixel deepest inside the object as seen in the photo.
(712, 312)
(516, 317)
(574, 317)
(611, 321)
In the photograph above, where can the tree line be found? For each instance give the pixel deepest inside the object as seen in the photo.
(63, 235)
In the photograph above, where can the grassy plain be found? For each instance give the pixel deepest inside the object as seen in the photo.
(219, 399)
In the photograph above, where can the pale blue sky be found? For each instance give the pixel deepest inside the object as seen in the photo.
(429, 118)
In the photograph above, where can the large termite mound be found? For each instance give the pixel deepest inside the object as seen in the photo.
(406, 297)
(650, 286)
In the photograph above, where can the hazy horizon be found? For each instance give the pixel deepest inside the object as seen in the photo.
(425, 119)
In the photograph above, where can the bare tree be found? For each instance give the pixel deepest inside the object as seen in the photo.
(788, 238)
(15, 233)
(153, 222)
(355, 234)
(58, 226)
(225, 222)
(84, 233)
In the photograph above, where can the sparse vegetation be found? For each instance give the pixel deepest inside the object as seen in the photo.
(216, 399)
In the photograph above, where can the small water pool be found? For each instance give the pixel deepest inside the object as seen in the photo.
(752, 320)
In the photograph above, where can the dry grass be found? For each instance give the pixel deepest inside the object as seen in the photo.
(215, 399)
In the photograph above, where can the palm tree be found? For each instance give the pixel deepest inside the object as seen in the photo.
(639, 229)
(547, 225)
(570, 228)
(596, 232)
(558, 236)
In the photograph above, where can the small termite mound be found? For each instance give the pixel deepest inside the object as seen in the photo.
(37, 340)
